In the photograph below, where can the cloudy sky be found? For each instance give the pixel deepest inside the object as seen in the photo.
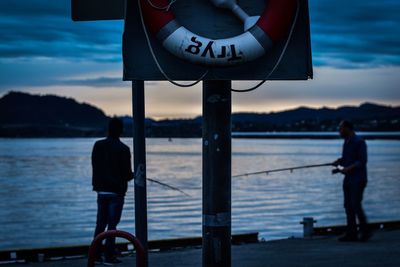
(356, 54)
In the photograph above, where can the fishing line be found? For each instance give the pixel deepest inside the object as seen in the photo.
(168, 186)
(291, 169)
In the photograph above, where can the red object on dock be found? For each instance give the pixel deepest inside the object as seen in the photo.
(116, 233)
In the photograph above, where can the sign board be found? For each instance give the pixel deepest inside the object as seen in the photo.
(203, 18)
(86, 10)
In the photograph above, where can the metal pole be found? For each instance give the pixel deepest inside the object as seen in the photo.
(217, 173)
(139, 148)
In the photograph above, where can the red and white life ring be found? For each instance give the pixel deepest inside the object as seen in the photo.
(272, 26)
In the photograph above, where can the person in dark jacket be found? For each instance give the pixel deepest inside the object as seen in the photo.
(354, 163)
(111, 164)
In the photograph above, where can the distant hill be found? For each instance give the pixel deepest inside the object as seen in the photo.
(367, 117)
(29, 115)
(24, 114)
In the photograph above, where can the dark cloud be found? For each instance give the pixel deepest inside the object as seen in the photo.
(339, 27)
(359, 33)
(41, 46)
(355, 33)
(98, 82)
(42, 28)
(95, 82)
(35, 8)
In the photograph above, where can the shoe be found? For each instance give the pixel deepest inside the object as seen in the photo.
(111, 262)
(98, 260)
(348, 238)
(365, 236)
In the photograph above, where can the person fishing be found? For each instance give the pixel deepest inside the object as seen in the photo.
(111, 165)
(354, 163)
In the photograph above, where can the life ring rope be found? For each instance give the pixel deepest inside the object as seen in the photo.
(155, 59)
(167, 30)
(278, 62)
(166, 7)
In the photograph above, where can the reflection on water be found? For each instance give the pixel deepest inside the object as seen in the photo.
(46, 197)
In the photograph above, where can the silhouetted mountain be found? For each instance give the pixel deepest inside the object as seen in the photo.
(32, 115)
(24, 114)
(367, 117)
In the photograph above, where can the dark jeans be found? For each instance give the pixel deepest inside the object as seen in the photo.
(353, 196)
(109, 210)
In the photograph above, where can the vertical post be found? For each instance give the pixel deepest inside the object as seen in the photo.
(217, 173)
(139, 148)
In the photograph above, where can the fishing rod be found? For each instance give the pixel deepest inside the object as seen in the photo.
(155, 180)
(168, 186)
(285, 169)
(291, 169)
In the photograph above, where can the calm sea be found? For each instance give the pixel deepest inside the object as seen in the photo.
(46, 197)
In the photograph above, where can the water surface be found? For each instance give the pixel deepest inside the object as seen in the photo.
(46, 197)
